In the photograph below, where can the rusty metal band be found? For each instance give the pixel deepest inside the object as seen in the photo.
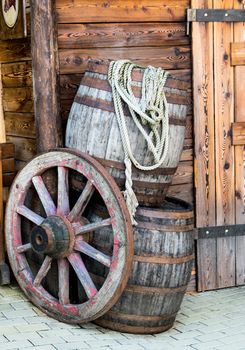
(137, 75)
(133, 288)
(143, 185)
(164, 228)
(120, 166)
(101, 84)
(132, 317)
(163, 259)
(165, 214)
(153, 199)
(109, 107)
(132, 329)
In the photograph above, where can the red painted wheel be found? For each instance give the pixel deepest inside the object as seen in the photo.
(54, 235)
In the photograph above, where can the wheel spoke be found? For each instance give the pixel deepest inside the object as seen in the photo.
(82, 274)
(63, 206)
(30, 215)
(82, 202)
(44, 269)
(44, 195)
(80, 229)
(23, 248)
(87, 249)
(63, 268)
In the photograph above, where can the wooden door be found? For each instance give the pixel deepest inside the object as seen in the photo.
(219, 113)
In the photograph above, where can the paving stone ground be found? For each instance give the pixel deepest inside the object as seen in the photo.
(210, 320)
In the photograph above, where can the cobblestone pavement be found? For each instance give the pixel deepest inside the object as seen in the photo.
(211, 320)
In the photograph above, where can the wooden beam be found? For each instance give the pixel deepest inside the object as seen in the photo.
(45, 75)
(100, 11)
(238, 54)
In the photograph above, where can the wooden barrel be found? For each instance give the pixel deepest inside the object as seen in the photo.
(92, 128)
(161, 270)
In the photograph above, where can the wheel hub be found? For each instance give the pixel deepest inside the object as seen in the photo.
(54, 237)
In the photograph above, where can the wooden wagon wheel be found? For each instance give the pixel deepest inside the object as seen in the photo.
(59, 236)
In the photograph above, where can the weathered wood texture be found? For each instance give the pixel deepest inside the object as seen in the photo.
(114, 30)
(238, 133)
(81, 38)
(238, 54)
(219, 167)
(45, 68)
(97, 11)
(144, 31)
(160, 272)
(15, 59)
(239, 76)
(150, 32)
(93, 128)
(62, 242)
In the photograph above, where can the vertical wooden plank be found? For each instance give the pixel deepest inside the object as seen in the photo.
(45, 75)
(203, 118)
(206, 262)
(239, 36)
(224, 116)
(204, 145)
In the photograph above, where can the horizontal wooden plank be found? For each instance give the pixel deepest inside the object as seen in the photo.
(78, 36)
(76, 60)
(8, 165)
(238, 54)
(184, 192)
(25, 149)
(15, 50)
(91, 11)
(238, 133)
(8, 179)
(20, 124)
(17, 74)
(184, 173)
(18, 99)
(6, 150)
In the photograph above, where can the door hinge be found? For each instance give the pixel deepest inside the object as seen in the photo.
(214, 15)
(219, 231)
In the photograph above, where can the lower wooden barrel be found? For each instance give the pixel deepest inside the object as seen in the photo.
(161, 270)
(92, 128)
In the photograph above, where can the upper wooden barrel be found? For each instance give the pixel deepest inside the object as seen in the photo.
(161, 270)
(92, 128)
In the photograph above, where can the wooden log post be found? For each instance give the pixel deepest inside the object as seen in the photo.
(4, 269)
(45, 75)
(45, 69)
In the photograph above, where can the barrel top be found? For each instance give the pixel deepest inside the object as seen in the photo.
(170, 208)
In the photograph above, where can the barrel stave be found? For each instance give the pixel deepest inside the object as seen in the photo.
(92, 128)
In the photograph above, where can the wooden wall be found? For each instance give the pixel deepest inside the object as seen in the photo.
(147, 32)
(15, 56)
(144, 31)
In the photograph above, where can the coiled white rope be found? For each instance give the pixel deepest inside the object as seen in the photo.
(150, 114)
